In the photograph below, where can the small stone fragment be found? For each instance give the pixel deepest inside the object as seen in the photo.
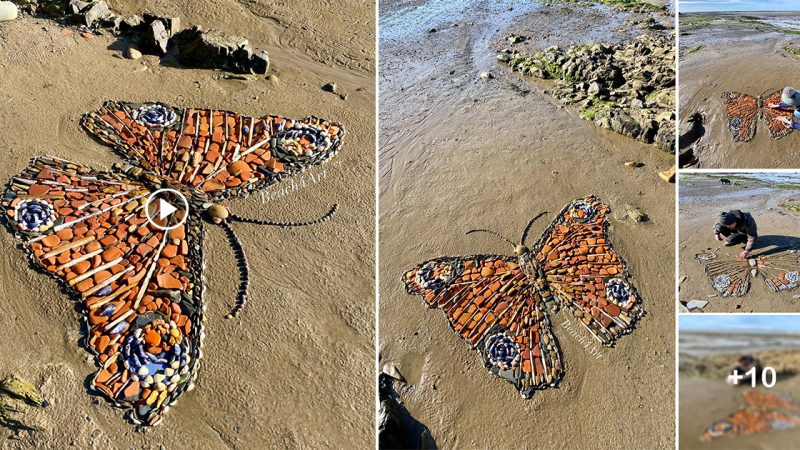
(393, 372)
(134, 52)
(696, 304)
(330, 87)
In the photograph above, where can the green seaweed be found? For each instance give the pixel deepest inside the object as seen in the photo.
(694, 49)
(621, 4)
(788, 31)
(792, 50)
(590, 112)
(14, 394)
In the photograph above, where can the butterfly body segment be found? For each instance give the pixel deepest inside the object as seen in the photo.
(499, 304)
(137, 276)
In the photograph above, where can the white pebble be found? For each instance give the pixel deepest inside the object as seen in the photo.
(8, 11)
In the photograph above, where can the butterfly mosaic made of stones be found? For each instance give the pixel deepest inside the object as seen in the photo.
(730, 276)
(744, 110)
(498, 303)
(761, 413)
(140, 287)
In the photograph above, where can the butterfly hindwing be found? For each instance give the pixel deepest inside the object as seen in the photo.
(139, 287)
(729, 277)
(585, 273)
(221, 153)
(772, 116)
(491, 303)
(742, 112)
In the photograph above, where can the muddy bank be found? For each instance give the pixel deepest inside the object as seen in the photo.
(254, 388)
(744, 53)
(458, 152)
(701, 199)
(623, 81)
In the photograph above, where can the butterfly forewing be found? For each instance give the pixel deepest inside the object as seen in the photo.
(729, 276)
(491, 303)
(585, 273)
(742, 112)
(773, 116)
(138, 286)
(221, 153)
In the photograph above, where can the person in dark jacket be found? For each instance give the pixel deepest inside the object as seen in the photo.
(737, 227)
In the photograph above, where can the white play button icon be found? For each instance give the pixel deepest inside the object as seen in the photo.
(165, 209)
(163, 214)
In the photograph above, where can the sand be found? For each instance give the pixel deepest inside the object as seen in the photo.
(735, 56)
(701, 199)
(457, 153)
(704, 400)
(295, 370)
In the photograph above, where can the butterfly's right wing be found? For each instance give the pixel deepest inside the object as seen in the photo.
(781, 271)
(140, 287)
(222, 153)
(729, 277)
(490, 303)
(772, 116)
(742, 111)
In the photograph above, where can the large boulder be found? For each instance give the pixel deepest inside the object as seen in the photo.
(214, 49)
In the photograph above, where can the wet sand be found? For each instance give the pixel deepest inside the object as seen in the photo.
(295, 370)
(701, 199)
(742, 56)
(459, 153)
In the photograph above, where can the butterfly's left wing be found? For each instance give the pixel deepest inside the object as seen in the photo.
(781, 270)
(772, 117)
(491, 303)
(585, 273)
(742, 111)
(139, 287)
(222, 153)
(730, 277)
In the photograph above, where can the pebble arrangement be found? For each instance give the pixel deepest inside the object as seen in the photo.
(743, 112)
(140, 285)
(498, 304)
(761, 413)
(730, 276)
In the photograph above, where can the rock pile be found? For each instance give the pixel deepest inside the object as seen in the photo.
(157, 35)
(628, 88)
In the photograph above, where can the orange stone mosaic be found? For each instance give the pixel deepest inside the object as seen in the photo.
(498, 304)
(139, 279)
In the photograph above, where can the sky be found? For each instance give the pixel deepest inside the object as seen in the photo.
(739, 5)
(743, 322)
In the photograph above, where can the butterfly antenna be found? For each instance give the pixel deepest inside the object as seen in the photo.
(530, 224)
(244, 269)
(494, 233)
(325, 218)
